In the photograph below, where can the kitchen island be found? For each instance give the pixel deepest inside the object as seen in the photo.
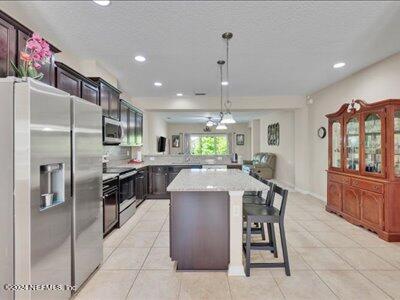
(206, 218)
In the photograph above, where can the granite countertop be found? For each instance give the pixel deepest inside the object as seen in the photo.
(189, 163)
(109, 176)
(206, 180)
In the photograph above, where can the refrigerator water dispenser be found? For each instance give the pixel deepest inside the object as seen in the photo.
(51, 185)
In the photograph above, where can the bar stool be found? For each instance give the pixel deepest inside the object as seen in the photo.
(254, 213)
(260, 200)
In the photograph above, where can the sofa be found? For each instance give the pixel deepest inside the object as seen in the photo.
(263, 164)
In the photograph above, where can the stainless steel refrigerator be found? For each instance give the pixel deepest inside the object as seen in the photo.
(52, 179)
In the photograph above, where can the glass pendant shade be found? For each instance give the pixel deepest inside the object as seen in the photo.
(221, 126)
(210, 123)
(228, 119)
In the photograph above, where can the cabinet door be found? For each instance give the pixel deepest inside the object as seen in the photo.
(139, 128)
(171, 176)
(372, 209)
(140, 186)
(125, 124)
(68, 82)
(374, 143)
(351, 201)
(132, 128)
(8, 48)
(90, 92)
(335, 195)
(105, 99)
(159, 183)
(336, 144)
(114, 105)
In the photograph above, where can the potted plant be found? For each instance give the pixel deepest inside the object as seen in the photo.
(36, 54)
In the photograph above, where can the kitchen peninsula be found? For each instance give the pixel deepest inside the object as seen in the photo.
(206, 218)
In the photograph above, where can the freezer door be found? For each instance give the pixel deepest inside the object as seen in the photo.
(87, 189)
(6, 187)
(42, 188)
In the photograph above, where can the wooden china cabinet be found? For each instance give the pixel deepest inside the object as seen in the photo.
(364, 166)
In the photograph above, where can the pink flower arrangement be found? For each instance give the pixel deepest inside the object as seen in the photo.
(37, 53)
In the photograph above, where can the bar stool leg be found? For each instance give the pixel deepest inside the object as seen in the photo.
(284, 248)
(248, 246)
(272, 228)
(262, 231)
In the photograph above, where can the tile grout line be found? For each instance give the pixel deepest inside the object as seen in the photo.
(141, 267)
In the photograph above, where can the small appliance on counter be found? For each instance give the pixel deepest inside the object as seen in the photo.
(234, 158)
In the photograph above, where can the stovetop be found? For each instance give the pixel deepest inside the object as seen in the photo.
(118, 170)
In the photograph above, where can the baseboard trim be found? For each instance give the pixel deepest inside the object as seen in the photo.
(236, 271)
(305, 192)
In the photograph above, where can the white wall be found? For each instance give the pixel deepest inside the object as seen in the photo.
(153, 128)
(239, 128)
(376, 82)
(285, 150)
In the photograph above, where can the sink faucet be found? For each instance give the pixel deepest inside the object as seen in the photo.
(187, 158)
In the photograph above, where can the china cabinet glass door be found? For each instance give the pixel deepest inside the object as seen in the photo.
(397, 143)
(352, 144)
(336, 144)
(373, 144)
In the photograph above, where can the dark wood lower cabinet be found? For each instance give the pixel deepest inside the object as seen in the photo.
(199, 230)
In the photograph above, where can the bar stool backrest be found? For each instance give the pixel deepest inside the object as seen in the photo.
(277, 190)
(270, 194)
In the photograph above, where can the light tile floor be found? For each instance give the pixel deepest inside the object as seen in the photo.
(329, 258)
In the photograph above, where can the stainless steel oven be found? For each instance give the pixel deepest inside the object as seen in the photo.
(112, 131)
(127, 196)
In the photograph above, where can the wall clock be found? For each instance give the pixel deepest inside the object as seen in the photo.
(321, 132)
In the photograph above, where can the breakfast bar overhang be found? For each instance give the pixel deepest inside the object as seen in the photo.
(206, 218)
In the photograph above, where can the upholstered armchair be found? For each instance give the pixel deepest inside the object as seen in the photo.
(263, 164)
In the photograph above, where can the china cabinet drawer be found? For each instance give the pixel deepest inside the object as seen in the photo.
(339, 178)
(368, 185)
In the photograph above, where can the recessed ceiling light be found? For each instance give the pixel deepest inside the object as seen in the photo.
(157, 83)
(102, 2)
(224, 83)
(140, 58)
(339, 65)
(179, 94)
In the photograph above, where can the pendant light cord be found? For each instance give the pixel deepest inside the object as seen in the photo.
(220, 72)
(228, 102)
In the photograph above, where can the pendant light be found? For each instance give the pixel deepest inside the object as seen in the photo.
(209, 123)
(220, 125)
(227, 118)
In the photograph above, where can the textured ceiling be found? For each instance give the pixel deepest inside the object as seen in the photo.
(278, 47)
(201, 116)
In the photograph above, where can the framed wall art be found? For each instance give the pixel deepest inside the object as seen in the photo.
(273, 134)
(240, 139)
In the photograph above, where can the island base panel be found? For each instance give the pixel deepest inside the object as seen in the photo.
(199, 232)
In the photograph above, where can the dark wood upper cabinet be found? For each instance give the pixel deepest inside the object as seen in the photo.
(90, 91)
(7, 48)
(114, 105)
(109, 98)
(68, 80)
(139, 129)
(132, 130)
(124, 123)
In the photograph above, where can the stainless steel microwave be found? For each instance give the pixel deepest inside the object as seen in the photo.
(112, 131)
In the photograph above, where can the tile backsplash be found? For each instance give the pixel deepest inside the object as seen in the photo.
(117, 154)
